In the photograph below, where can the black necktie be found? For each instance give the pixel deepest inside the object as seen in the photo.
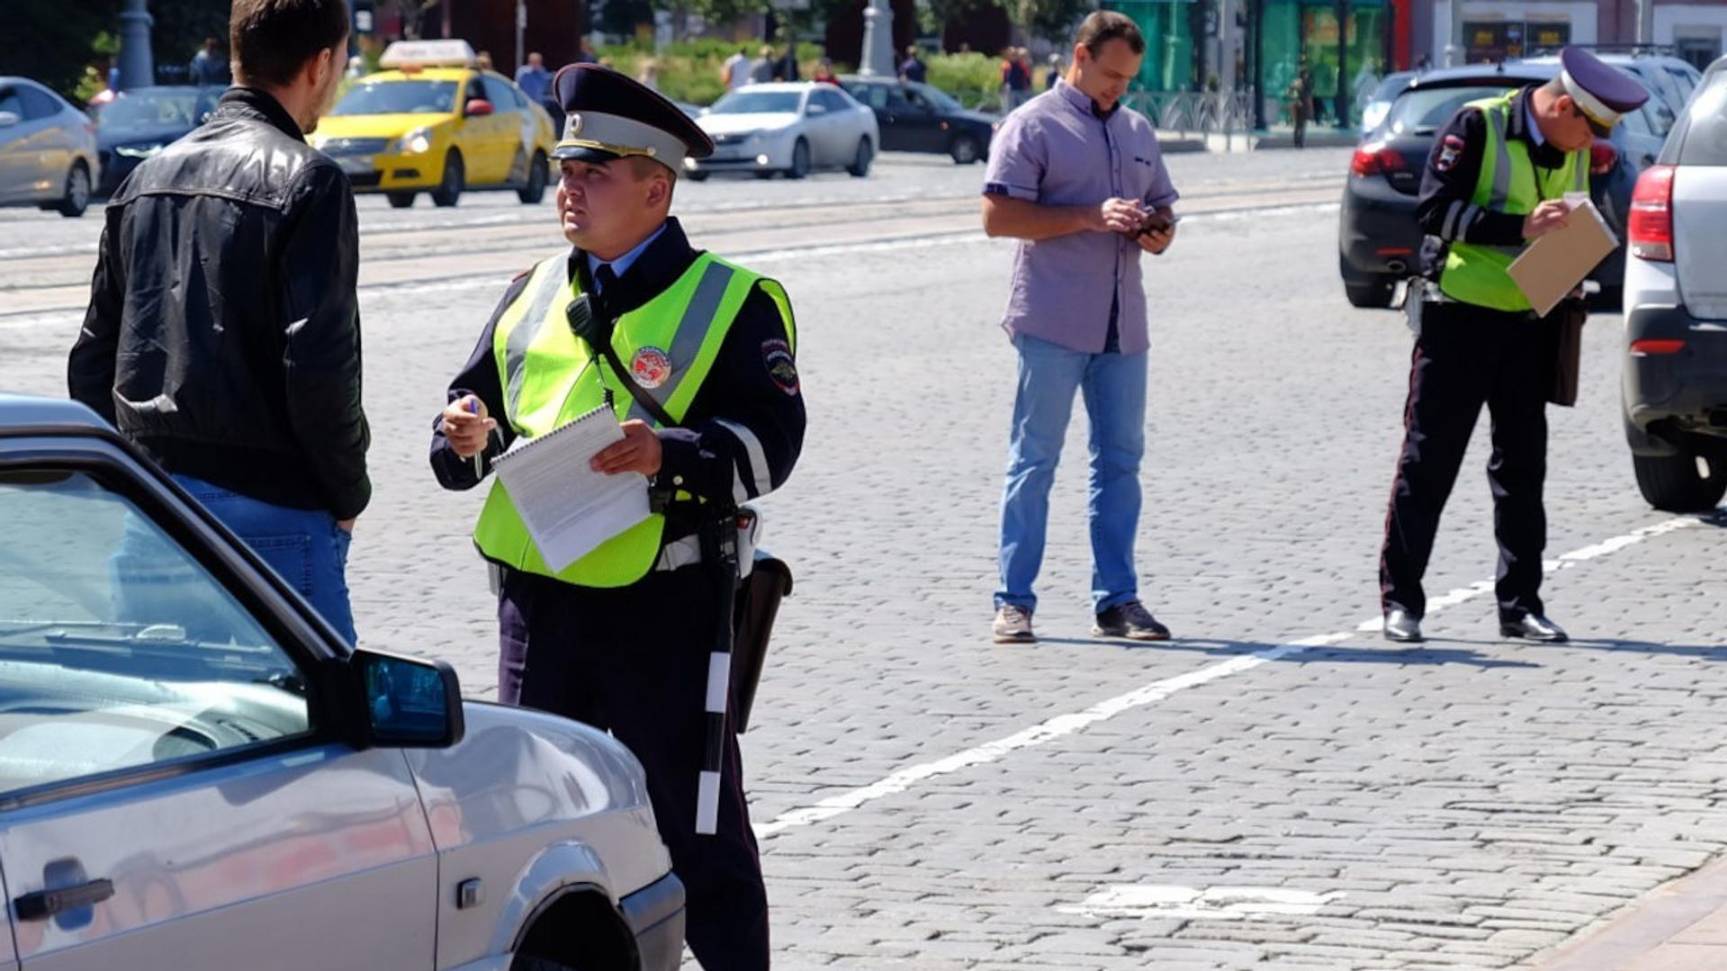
(605, 279)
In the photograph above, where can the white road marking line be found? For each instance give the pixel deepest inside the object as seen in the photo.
(1189, 903)
(1067, 724)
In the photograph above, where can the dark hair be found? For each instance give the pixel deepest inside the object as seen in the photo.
(1104, 26)
(273, 39)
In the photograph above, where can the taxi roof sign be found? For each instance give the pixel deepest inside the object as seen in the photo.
(427, 53)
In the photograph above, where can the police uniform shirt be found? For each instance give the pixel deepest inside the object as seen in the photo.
(1447, 211)
(754, 386)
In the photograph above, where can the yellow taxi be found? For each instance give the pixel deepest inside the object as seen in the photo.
(433, 121)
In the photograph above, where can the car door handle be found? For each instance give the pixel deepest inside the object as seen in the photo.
(43, 904)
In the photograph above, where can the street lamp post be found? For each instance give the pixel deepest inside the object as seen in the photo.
(136, 68)
(878, 40)
(521, 27)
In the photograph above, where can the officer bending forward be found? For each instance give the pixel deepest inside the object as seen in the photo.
(621, 638)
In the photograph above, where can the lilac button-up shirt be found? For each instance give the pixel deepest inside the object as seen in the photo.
(1056, 151)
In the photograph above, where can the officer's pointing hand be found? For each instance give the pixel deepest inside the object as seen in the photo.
(1550, 215)
(467, 426)
(638, 452)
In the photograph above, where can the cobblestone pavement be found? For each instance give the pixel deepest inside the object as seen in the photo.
(1273, 789)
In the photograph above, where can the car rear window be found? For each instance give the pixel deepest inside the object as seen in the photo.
(1424, 111)
(1706, 130)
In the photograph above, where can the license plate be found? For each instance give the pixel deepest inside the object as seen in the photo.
(357, 165)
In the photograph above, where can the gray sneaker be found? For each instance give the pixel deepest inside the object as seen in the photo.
(1013, 625)
(1130, 620)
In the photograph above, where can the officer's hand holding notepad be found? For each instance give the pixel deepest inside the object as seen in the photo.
(569, 508)
(1558, 261)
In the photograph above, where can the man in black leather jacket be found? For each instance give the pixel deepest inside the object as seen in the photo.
(223, 333)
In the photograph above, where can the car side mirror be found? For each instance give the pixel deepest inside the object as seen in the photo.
(478, 108)
(9, 118)
(403, 702)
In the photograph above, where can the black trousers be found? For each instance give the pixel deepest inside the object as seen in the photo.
(634, 661)
(1465, 357)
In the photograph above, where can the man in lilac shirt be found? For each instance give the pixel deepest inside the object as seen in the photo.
(1079, 180)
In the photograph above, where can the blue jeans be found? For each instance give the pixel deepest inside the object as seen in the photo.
(1114, 390)
(304, 546)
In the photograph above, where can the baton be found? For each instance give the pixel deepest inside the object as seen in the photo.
(719, 540)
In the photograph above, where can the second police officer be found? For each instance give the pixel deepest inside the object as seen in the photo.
(1494, 181)
(621, 638)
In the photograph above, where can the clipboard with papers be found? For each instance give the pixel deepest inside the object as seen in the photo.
(568, 508)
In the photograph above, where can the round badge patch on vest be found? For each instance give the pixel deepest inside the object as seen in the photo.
(650, 367)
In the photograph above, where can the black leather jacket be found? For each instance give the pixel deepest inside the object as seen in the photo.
(223, 334)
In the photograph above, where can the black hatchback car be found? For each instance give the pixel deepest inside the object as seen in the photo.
(1379, 241)
(143, 121)
(916, 117)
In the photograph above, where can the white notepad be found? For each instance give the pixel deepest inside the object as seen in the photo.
(569, 508)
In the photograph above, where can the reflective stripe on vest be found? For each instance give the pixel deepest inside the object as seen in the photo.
(550, 377)
(1510, 182)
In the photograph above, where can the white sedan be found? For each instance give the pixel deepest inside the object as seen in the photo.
(793, 128)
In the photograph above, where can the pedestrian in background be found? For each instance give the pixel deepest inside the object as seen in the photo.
(584, 54)
(1080, 181)
(483, 60)
(1054, 74)
(1301, 102)
(534, 79)
(824, 73)
(786, 67)
(648, 73)
(735, 72)
(913, 68)
(762, 71)
(242, 378)
(208, 66)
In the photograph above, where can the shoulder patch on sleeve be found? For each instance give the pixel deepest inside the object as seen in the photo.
(1449, 149)
(777, 359)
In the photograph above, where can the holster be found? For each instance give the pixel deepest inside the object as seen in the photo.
(757, 604)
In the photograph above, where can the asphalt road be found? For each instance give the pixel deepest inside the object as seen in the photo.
(1274, 789)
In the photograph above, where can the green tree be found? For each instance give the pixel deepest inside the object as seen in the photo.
(52, 41)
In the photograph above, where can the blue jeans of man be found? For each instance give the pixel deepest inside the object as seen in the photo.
(1113, 386)
(304, 546)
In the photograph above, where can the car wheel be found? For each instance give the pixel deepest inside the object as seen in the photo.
(450, 189)
(400, 200)
(77, 198)
(861, 162)
(764, 175)
(535, 190)
(800, 160)
(696, 176)
(1680, 483)
(964, 150)
(1375, 295)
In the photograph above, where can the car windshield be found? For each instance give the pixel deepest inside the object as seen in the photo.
(757, 103)
(169, 108)
(1424, 110)
(399, 98)
(939, 98)
(1706, 138)
(117, 647)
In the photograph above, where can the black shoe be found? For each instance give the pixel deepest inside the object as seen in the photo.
(1130, 620)
(1402, 626)
(1532, 627)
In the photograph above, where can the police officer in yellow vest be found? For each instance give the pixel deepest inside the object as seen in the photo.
(1494, 181)
(621, 638)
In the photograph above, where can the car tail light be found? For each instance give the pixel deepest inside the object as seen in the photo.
(1644, 348)
(1651, 223)
(1376, 159)
(1603, 156)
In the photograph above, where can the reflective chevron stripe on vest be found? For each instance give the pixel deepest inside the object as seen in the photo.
(549, 378)
(1509, 182)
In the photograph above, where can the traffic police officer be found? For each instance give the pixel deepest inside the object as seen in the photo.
(1493, 182)
(621, 638)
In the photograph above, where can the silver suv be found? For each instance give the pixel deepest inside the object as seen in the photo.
(1676, 310)
(195, 773)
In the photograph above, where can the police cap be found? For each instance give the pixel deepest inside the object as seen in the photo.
(609, 116)
(1602, 92)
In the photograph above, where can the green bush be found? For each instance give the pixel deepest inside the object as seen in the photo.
(972, 78)
(690, 71)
